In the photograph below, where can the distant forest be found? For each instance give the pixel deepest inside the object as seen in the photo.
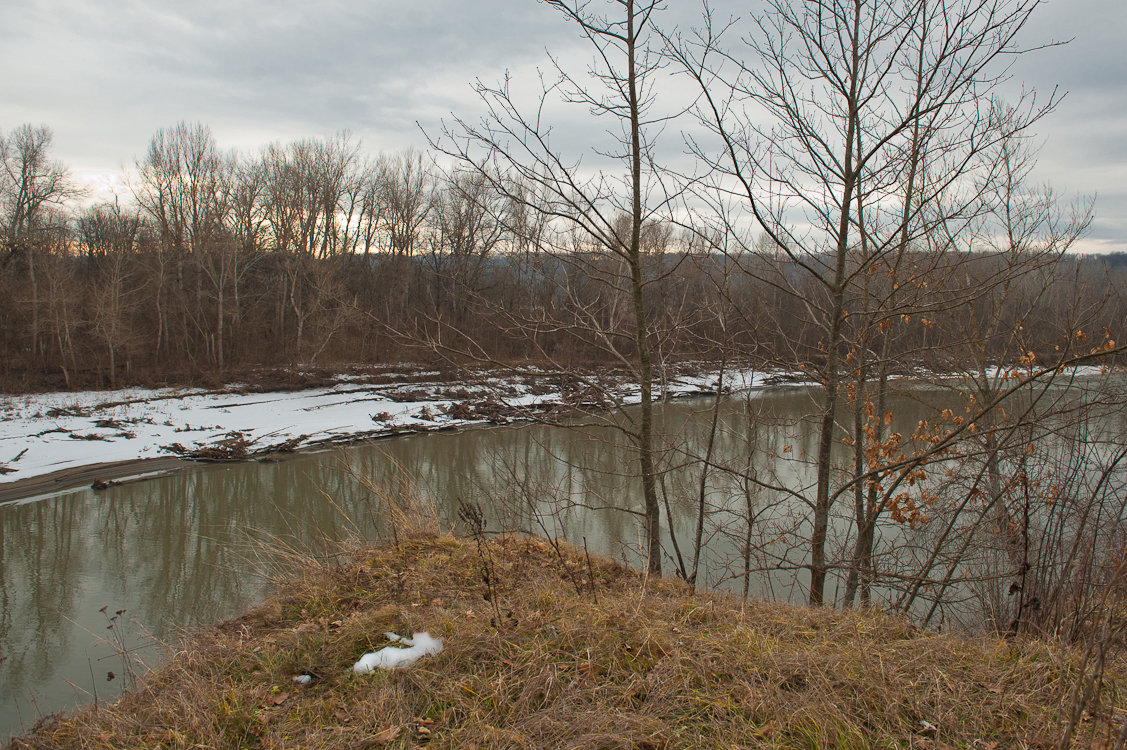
(316, 254)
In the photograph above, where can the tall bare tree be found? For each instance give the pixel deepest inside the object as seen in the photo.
(184, 189)
(597, 215)
(31, 185)
(845, 129)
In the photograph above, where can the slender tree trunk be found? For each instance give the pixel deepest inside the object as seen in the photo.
(219, 317)
(831, 381)
(698, 537)
(832, 378)
(113, 366)
(645, 363)
(59, 326)
(32, 277)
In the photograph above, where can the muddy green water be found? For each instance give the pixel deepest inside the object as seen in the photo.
(183, 550)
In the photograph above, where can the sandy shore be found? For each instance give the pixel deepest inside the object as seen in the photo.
(83, 476)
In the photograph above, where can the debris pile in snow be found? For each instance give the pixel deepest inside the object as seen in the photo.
(392, 657)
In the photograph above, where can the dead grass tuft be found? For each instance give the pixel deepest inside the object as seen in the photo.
(644, 667)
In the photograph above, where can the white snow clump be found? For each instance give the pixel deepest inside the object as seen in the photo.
(390, 657)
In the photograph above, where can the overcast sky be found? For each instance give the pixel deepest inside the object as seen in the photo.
(105, 74)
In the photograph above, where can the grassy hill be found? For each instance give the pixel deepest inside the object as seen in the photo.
(547, 648)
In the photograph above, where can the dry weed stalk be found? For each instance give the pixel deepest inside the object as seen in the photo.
(472, 517)
(1102, 639)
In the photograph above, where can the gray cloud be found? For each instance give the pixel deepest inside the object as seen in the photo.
(108, 72)
(105, 74)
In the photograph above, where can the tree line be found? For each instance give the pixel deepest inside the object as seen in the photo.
(317, 253)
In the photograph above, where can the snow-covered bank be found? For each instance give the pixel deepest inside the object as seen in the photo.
(46, 433)
(53, 435)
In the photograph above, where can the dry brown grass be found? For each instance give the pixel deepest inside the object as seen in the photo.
(646, 665)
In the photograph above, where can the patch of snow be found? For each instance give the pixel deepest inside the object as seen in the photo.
(393, 657)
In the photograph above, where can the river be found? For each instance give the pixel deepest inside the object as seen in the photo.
(87, 575)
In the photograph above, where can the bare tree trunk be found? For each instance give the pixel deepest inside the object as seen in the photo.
(702, 490)
(637, 288)
(831, 380)
(221, 298)
(34, 280)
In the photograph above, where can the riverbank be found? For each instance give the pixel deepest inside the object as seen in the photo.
(50, 442)
(546, 647)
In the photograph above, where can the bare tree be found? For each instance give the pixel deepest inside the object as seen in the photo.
(597, 216)
(407, 197)
(1002, 346)
(183, 185)
(184, 190)
(31, 184)
(111, 235)
(306, 184)
(847, 125)
(466, 228)
(109, 228)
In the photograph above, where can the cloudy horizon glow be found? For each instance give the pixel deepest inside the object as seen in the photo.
(104, 75)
